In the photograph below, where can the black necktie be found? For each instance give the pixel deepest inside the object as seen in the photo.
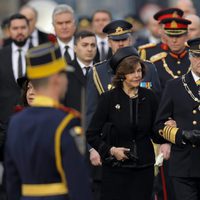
(66, 55)
(87, 69)
(20, 70)
(31, 42)
(103, 53)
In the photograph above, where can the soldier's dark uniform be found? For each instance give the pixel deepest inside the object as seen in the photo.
(44, 148)
(148, 50)
(162, 50)
(170, 65)
(181, 102)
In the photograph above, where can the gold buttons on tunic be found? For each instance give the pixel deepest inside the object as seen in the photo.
(179, 72)
(178, 62)
(194, 122)
(194, 112)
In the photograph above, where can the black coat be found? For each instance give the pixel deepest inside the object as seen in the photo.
(97, 57)
(9, 90)
(177, 103)
(43, 37)
(114, 107)
(75, 96)
(106, 74)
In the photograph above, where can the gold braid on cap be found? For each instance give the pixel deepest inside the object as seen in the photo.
(120, 31)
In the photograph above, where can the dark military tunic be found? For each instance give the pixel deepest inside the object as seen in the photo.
(148, 50)
(181, 106)
(43, 159)
(170, 65)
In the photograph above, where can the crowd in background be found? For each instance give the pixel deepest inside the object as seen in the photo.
(96, 47)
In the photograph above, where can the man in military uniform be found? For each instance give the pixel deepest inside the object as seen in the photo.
(100, 78)
(181, 101)
(175, 62)
(148, 50)
(44, 147)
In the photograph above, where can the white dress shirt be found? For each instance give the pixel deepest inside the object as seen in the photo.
(15, 56)
(35, 38)
(70, 49)
(106, 45)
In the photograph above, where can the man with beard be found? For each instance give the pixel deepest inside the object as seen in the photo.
(12, 65)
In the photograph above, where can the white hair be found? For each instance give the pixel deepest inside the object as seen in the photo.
(62, 8)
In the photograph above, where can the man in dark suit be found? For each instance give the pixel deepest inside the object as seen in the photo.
(85, 49)
(100, 19)
(181, 102)
(36, 36)
(64, 24)
(13, 64)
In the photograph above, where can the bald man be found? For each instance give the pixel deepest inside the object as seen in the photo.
(36, 36)
(194, 27)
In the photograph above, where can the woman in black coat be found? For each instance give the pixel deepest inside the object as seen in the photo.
(121, 131)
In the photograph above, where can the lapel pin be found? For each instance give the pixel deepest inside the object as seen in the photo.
(117, 106)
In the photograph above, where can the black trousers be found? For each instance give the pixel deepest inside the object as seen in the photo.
(186, 188)
(127, 184)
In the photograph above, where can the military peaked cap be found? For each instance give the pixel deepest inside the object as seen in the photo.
(194, 46)
(175, 26)
(168, 13)
(118, 29)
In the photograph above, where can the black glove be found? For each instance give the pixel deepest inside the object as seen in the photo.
(191, 137)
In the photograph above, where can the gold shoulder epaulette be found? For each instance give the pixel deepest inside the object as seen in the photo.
(98, 63)
(158, 56)
(146, 46)
(148, 61)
